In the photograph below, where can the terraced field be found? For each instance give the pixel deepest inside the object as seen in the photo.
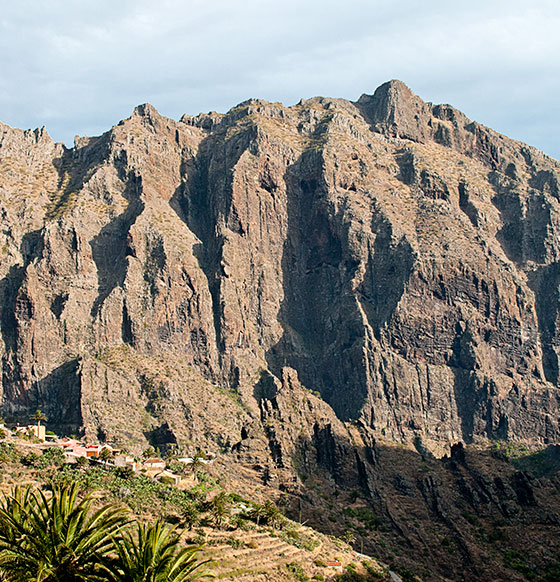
(265, 554)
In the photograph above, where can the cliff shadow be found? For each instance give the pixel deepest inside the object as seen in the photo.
(203, 199)
(436, 517)
(74, 168)
(110, 247)
(31, 249)
(322, 312)
(467, 401)
(526, 220)
(58, 394)
(9, 287)
(544, 281)
(387, 500)
(388, 269)
(322, 338)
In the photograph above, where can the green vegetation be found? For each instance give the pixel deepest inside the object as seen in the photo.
(267, 514)
(50, 458)
(38, 417)
(63, 538)
(59, 204)
(543, 463)
(516, 561)
(300, 540)
(511, 450)
(370, 574)
(552, 573)
(219, 508)
(136, 490)
(365, 516)
(297, 572)
(152, 552)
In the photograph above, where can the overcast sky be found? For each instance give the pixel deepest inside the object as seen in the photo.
(79, 66)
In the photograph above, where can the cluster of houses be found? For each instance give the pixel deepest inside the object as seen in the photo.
(75, 449)
(155, 467)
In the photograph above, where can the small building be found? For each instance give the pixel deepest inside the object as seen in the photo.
(38, 431)
(33, 430)
(125, 461)
(93, 451)
(190, 460)
(335, 564)
(167, 477)
(154, 463)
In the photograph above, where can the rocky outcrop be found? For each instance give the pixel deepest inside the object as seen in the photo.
(401, 259)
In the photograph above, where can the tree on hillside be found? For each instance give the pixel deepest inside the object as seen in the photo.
(197, 461)
(268, 514)
(152, 553)
(219, 508)
(190, 515)
(57, 538)
(61, 538)
(39, 417)
(105, 455)
(149, 453)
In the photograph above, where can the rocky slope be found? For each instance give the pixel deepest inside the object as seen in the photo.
(180, 282)
(402, 259)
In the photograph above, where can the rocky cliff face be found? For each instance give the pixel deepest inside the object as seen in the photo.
(389, 254)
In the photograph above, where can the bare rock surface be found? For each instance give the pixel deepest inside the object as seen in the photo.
(402, 259)
(299, 287)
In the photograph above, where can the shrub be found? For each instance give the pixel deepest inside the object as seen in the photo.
(51, 457)
(8, 452)
(30, 460)
(235, 543)
(297, 571)
(320, 563)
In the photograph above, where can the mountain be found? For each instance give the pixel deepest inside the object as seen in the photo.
(299, 287)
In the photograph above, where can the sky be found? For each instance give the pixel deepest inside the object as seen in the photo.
(80, 66)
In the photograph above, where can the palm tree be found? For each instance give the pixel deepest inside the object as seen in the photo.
(268, 513)
(153, 554)
(190, 515)
(219, 508)
(39, 417)
(57, 538)
(197, 461)
(105, 455)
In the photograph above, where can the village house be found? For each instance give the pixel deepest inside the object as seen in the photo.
(125, 461)
(154, 463)
(74, 449)
(167, 477)
(38, 432)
